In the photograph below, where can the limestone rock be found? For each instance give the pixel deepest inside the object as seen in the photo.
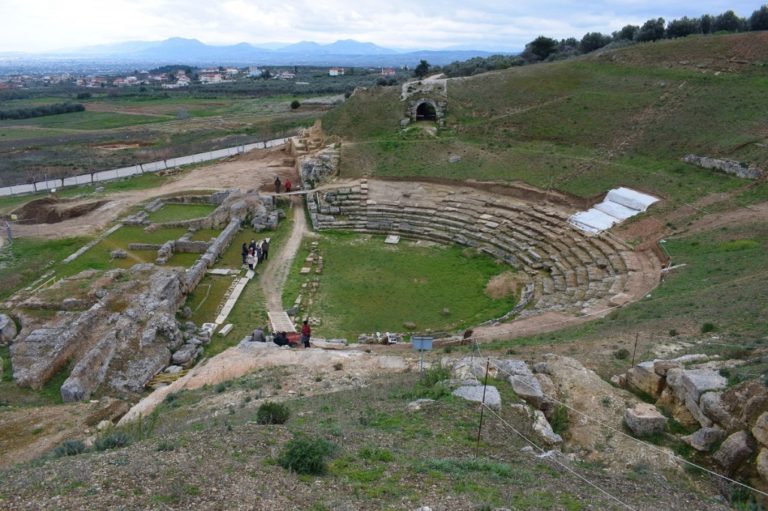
(734, 451)
(417, 405)
(475, 393)
(760, 429)
(523, 382)
(661, 367)
(173, 369)
(762, 464)
(620, 380)
(118, 254)
(712, 406)
(694, 382)
(746, 401)
(107, 409)
(643, 378)
(703, 439)
(543, 429)
(7, 329)
(644, 419)
(676, 408)
(185, 355)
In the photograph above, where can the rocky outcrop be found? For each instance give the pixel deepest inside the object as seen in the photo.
(320, 167)
(480, 394)
(728, 166)
(7, 329)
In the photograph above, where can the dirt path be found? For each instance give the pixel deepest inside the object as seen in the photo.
(273, 281)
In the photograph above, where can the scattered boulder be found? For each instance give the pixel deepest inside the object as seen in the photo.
(7, 329)
(735, 451)
(118, 254)
(475, 393)
(644, 419)
(543, 429)
(712, 406)
(185, 355)
(523, 382)
(661, 367)
(705, 438)
(760, 429)
(173, 369)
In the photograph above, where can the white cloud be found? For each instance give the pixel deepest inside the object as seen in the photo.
(35, 25)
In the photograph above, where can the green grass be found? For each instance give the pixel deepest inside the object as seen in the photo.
(367, 286)
(98, 257)
(86, 121)
(179, 212)
(207, 297)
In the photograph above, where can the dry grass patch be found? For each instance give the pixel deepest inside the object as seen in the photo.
(502, 285)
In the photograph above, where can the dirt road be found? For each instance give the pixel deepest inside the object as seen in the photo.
(273, 281)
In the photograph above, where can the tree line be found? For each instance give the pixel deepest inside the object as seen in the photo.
(40, 111)
(546, 49)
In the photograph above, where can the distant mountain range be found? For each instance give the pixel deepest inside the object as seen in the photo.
(191, 51)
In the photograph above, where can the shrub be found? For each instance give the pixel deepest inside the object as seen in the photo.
(111, 441)
(708, 327)
(69, 448)
(435, 375)
(272, 413)
(295, 104)
(673, 333)
(559, 420)
(621, 354)
(165, 446)
(338, 366)
(306, 455)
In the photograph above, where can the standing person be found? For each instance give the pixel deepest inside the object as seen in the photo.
(260, 252)
(265, 248)
(277, 184)
(244, 252)
(252, 246)
(306, 333)
(288, 186)
(250, 259)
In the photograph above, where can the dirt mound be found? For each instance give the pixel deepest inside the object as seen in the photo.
(51, 210)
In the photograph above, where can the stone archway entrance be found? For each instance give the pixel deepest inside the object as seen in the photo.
(426, 111)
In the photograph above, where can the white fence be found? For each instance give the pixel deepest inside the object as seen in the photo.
(135, 170)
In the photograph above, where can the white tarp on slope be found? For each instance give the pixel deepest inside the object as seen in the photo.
(618, 205)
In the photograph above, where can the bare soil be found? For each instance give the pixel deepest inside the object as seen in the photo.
(255, 170)
(502, 285)
(51, 210)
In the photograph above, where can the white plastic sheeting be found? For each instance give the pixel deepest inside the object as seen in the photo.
(618, 205)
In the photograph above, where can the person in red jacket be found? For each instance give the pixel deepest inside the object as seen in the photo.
(306, 333)
(288, 186)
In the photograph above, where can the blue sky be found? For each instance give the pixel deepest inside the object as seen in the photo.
(40, 25)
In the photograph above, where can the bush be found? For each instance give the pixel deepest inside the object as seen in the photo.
(435, 375)
(673, 333)
(111, 441)
(69, 448)
(708, 327)
(272, 413)
(306, 455)
(295, 104)
(559, 420)
(621, 354)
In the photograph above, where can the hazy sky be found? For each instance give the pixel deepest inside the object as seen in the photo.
(35, 25)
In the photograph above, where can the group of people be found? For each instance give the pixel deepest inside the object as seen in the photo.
(278, 184)
(255, 253)
(281, 338)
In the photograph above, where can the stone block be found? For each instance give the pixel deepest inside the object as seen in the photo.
(735, 451)
(543, 429)
(712, 405)
(475, 393)
(661, 367)
(703, 439)
(643, 378)
(644, 419)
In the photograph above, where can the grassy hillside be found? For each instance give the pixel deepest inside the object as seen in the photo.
(624, 117)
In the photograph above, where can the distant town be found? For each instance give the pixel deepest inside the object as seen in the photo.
(176, 77)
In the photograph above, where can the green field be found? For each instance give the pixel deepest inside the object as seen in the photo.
(86, 120)
(367, 286)
(180, 212)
